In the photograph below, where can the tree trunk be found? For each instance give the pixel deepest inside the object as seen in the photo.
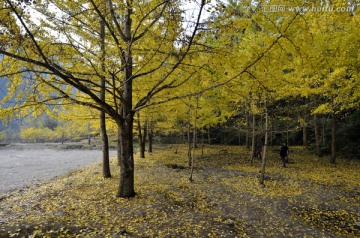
(194, 140)
(333, 139)
(287, 131)
(287, 123)
(202, 143)
(323, 136)
(143, 141)
(89, 135)
(317, 138)
(142, 151)
(126, 185)
(189, 138)
(263, 161)
(105, 146)
(209, 136)
(247, 144)
(104, 136)
(253, 140)
(142, 137)
(150, 137)
(304, 135)
(119, 150)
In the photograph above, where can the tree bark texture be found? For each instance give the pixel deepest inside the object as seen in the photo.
(104, 136)
(142, 137)
(126, 185)
(333, 139)
(253, 151)
(304, 135)
(317, 136)
(150, 137)
(263, 161)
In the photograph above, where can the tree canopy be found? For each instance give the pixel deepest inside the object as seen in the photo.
(169, 60)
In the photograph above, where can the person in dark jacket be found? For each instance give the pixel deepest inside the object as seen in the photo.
(258, 148)
(283, 154)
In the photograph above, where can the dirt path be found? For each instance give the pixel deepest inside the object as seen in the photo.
(29, 164)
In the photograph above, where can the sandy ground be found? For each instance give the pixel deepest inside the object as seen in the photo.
(24, 165)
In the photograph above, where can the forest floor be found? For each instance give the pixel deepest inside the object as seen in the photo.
(310, 198)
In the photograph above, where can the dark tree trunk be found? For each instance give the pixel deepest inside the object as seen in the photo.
(304, 135)
(253, 149)
(150, 138)
(189, 138)
(194, 140)
(126, 185)
(263, 161)
(105, 147)
(209, 136)
(104, 136)
(142, 137)
(247, 131)
(119, 150)
(323, 135)
(317, 137)
(89, 135)
(333, 139)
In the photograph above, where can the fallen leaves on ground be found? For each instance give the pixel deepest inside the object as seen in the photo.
(311, 198)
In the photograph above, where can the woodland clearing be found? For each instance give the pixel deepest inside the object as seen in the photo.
(310, 198)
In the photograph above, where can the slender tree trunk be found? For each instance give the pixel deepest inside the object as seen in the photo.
(333, 139)
(194, 140)
(202, 143)
(209, 136)
(189, 138)
(143, 141)
(317, 139)
(150, 137)
(287, 123)
(323, 137)
(263, 161)
(247, 131)
(105, 147)
(253, 140)
(304, 135)
(287, 132)
(89, 134)
(104, 136)
(142, 137)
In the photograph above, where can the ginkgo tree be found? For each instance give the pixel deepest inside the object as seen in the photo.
(325, 65)
(65, 59)
(139, 58)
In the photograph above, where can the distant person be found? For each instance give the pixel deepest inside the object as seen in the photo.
(283, 154)
(258, 149)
